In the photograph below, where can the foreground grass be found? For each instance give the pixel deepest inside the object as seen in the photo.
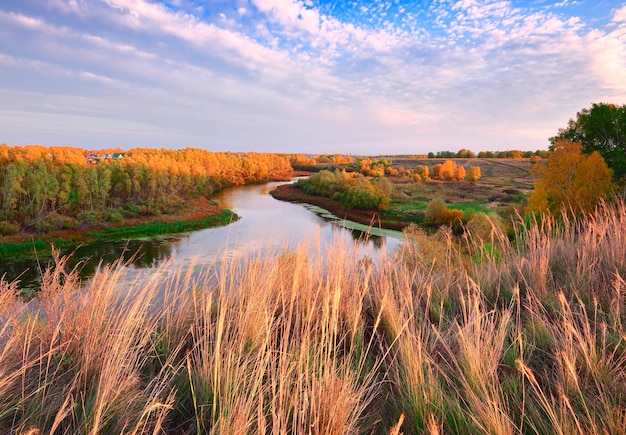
(532, 340)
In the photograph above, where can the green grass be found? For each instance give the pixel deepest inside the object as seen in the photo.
(407, 210)
(476, 206)
(156, 228)
(39, 246)
(8, 250)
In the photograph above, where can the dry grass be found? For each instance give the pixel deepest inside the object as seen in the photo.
(438, 340)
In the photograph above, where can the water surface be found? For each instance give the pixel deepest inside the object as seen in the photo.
(266, 225)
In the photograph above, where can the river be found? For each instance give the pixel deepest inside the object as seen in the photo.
(266, 225)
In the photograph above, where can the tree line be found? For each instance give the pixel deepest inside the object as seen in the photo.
(468, 154)
(44, 188)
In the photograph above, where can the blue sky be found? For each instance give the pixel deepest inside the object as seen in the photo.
(361, 77)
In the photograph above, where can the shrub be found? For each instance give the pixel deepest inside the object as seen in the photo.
(130, 209)
(54, 222)
(570, 180)
(9, 228)
(460, 173)
(324, 183)
(446, 170)
(438, 213)
(422, 171)
(90, 217)
(352, 191)
(365, 198)
(113, 216)
(485, 228)
(473, 174)
(385, 186)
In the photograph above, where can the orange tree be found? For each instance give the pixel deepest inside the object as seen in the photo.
(601, 128)
(570, 180)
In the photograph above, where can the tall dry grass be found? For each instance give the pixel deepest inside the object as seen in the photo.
(480, 336)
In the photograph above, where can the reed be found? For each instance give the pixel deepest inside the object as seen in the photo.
(438, 339)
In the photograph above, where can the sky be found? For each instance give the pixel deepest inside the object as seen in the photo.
(310, 76)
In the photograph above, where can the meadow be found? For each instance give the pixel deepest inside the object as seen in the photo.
(485, 335)
(502, 188)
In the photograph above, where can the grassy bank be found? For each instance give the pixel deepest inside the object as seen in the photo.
(70, 239)
(290, 193)
(445, 338)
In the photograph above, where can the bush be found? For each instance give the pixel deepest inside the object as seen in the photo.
(429, 251)
(130, 209)
(90, 217)
(446, 171)
(352, 191)
(324, 183)
(473, 174)
(485, 228)
(9, 228)
(460, 173)
(385, 186)
(422, 171)
(113, 216)
(365, 198)
(54, 222)
(438, 213)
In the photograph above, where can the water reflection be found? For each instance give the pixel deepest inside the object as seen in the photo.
(266, 226)
(363, 237)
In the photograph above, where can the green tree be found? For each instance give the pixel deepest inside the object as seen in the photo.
(570, 180)
(601, 128)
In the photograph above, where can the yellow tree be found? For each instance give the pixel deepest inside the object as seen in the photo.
(473, 174)
(445, 171)
(570, 180)
(460, 173)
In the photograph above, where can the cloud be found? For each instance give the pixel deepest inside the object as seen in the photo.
(292, 73)
(619, 16)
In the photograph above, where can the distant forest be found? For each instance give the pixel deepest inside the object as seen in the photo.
(49, 188)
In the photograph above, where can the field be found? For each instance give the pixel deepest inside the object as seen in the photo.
(503, 186)
(528, 336)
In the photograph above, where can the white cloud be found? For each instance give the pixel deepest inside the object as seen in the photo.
(619, 16)
(273, 70)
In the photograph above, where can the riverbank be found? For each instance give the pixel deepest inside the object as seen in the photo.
(196, 214)
(290, 193)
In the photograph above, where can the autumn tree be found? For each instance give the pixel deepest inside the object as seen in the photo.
(301, 161)
(601, 128)
(39, 184)
(421, 173)
(460, 173)
(473, 174)
(445, 171)
(465, 154)
(570, 180)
